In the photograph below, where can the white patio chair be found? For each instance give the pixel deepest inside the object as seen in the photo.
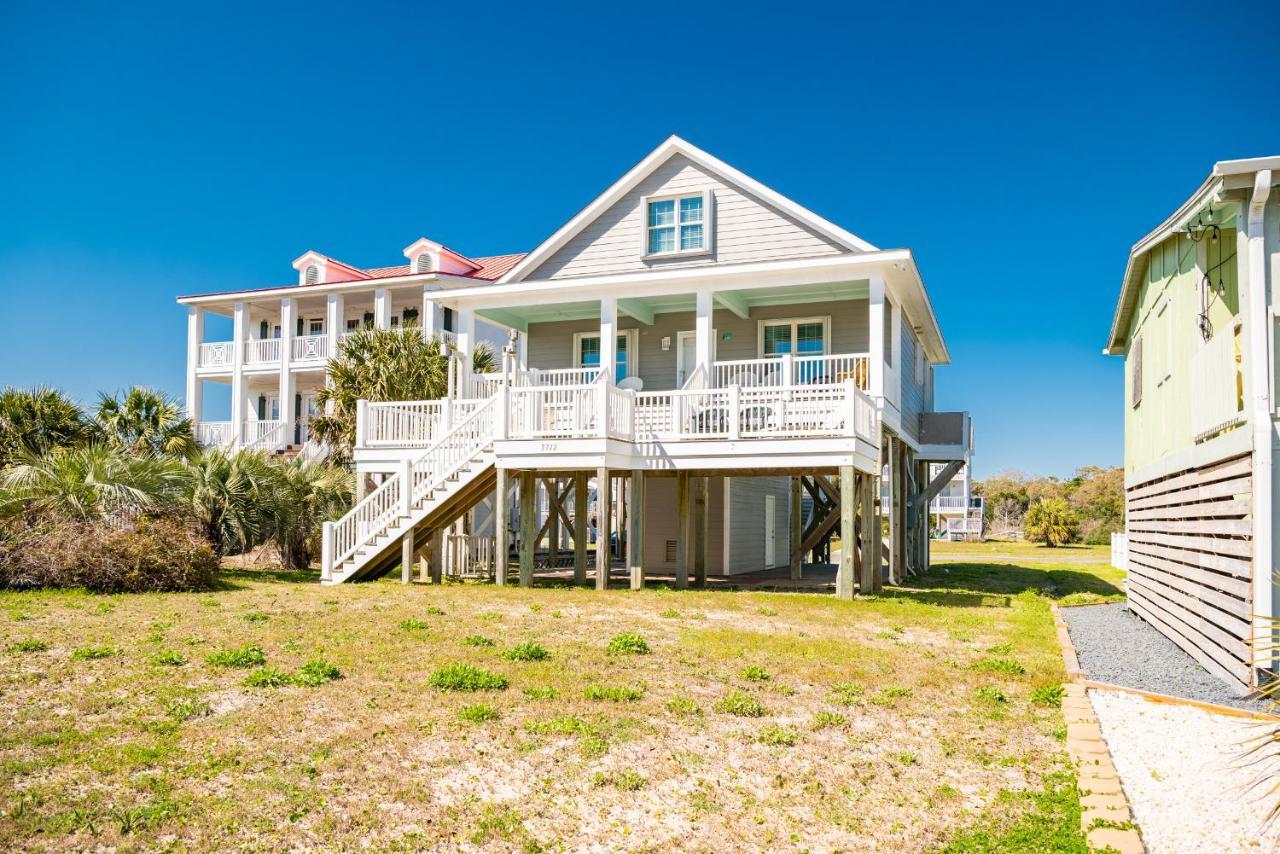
(632, 384)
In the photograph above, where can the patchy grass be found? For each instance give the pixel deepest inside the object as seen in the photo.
(92, 652)
(527, 652)
(872, 732)
(28, 645)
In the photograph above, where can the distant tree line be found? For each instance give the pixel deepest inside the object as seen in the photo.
(1086, 507)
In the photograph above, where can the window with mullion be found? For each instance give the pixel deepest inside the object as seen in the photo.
(676, 225)
(589, 355)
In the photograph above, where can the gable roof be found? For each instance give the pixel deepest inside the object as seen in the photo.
(672, 146)
(489, 268)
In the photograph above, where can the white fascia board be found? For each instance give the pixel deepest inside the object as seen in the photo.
(672, 146)
(446, 281)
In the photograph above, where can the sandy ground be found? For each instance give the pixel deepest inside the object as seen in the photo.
(1187, 777)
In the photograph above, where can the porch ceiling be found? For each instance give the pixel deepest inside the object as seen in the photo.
(643, 309)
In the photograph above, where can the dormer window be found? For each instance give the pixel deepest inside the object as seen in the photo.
(312, 275)
(676, 225)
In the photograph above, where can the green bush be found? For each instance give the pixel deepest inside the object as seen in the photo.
(268, 677)
(478, 714)
(315, 672)
(627, 643)
(465, 677)
(527, 652)
(244, 656)
(1052, 521)
(740, 703)
(145, 555)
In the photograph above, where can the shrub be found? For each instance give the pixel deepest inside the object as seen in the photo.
(478, 714)
(527, 652)
(244, 656)
(616, 693)
(169, 658)
(89, 652)
(29, 645)
(477, 640)
(1048, 695)
(267, 677)
(778, 736)
(1053, 522)
(465, 677)
(145, 555)
(740, 703)
(1007, 666)
(683, 707)
(756, 673)
(627, 643)
(315, 672)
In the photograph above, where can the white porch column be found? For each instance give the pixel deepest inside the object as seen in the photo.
(522, 351)
(195, 388)
(876, 343)
(287, 324)
(702, 334)
(431, 319)
(382, 309)
(239, 335)
(466, 330)
(335, 321)
(609, 338)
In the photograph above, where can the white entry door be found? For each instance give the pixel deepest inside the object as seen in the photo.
(687, 354)
(309, 411)
(770, 531)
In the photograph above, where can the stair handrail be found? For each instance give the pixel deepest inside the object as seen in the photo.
(371, 517)
(443, 459)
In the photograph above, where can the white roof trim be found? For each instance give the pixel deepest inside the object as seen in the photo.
(672, 146)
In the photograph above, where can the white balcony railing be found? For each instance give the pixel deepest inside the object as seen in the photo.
(217, 354)
(788, 370)
(945, 503)
(261, 351)
(263, 435)
(215, 434)
(409, 423)
(309, 348)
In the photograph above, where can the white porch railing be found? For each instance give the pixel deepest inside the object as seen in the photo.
(948, 503)
(1216, 384)
(546, 412)
(409, 423)
(261, 351)
(789, 370)
(306, 348)
(215, 434)
(263, 435)
(217, 354)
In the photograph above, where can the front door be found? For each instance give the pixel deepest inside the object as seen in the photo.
(770, 531)
(307, 410)
(687, 355)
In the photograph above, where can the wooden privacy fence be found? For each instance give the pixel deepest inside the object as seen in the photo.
(1190, 565)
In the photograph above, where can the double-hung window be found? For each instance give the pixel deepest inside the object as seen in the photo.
(798, 337)
(587, 353)
(677, 225)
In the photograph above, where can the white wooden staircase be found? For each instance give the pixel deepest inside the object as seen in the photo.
(448, 478)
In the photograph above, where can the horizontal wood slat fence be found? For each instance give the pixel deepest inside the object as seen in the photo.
(1190, 562)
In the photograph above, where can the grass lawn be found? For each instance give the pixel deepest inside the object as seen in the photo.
(473, 716)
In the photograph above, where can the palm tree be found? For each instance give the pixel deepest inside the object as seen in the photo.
(146, 421)
(304, 493)
(382, 365)
(35, 421)
(90, 483)
(228, 495)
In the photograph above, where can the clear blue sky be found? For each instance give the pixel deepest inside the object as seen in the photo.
(150, 150)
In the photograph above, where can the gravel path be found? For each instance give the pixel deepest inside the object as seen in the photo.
(1117, 647)
(1182, 770)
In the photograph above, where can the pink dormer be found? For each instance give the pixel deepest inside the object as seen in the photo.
(316, 269)
(427, 256)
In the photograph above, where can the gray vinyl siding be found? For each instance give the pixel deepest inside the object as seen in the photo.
(747, 525)
(913, 394)
(746, 229)
(660, 523)
(551, 344)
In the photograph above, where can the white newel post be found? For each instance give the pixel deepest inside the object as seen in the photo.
(287, 323)
(446, 415)
(851, 406)
(195, 389)
(326, 551)
(406, 487)
(336, 325)
(503, 415)
(239, 337)
(875, 319)
(735, 408)
(702, 337)
(382, 309)
(609, 338)
(362, 423)
(788, 369)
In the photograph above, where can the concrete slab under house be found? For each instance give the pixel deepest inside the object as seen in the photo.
(702, 380)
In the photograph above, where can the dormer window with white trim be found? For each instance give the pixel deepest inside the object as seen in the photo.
(677, 225)
(312, 274)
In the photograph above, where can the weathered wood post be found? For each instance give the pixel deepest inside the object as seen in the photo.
(437, 555)
(869, 558)
(501, 528)
(848, 531)
(700, 488)
(581, 533)
(635, 533)
(528, 527)
(797, 532)
(604, 524)
(684, 536)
